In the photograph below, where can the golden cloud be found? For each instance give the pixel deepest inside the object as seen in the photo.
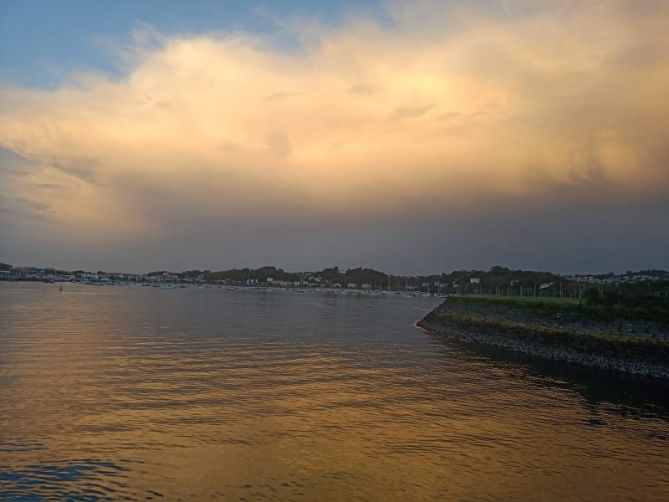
(438, 103)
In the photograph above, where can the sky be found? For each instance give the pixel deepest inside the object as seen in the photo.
(411, 137)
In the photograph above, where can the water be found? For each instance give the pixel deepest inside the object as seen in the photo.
(140, 393)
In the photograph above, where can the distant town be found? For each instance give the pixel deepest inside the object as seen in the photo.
(498, 280)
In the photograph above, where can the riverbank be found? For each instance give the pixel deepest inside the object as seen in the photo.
(627, 340)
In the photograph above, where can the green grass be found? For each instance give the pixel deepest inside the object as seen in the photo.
(522, 300)
(550, 307)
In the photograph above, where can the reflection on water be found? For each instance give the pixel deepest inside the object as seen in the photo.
(142, 393)
(617, 392)
(87, 479)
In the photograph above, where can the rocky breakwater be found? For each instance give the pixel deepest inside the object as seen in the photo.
(617, 339)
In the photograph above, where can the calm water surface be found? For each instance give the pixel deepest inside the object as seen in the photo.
(131, 392)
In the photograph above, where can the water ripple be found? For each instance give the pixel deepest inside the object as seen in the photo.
(244, 395)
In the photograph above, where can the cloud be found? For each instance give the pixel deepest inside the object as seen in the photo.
(409, 112)
(365, 120)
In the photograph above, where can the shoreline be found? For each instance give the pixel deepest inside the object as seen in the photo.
(562, 334)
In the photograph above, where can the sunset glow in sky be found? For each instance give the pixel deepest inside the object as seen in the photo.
(407, 136)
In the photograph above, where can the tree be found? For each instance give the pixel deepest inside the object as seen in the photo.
(592, 295)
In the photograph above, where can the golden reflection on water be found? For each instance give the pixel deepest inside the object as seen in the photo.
(111, 392)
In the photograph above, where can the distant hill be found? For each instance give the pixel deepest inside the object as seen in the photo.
(629, 288)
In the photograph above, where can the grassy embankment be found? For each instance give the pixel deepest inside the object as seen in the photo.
(549, 307)
(558, 325)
